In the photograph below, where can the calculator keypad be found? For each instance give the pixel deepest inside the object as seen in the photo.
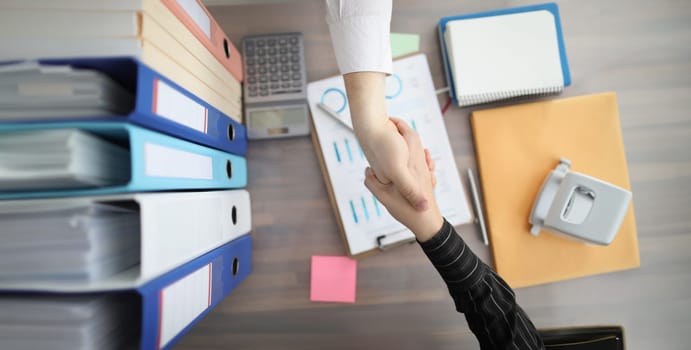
(274, 67)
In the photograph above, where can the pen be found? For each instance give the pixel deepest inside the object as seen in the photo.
(478, 207)
(333, 114)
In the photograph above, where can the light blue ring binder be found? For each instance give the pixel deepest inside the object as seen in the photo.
(136, 137)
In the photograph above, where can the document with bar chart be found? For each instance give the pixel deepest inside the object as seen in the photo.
(410, 96)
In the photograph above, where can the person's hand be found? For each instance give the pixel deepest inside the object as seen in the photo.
(383, 145)
(388, 154)
(420, 166)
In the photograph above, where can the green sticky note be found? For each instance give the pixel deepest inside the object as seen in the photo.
(404, 44)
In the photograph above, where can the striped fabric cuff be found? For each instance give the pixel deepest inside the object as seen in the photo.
(457, 264)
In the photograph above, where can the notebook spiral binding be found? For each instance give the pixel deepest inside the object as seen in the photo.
(468, 100)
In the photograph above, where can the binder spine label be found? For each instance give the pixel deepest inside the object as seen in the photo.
(161, 161)
(182, 302)
(197, 14)
(173, 105)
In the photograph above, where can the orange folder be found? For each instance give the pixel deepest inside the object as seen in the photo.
(516, 148)
(199, 21)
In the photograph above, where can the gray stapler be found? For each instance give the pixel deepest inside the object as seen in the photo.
(579, 206)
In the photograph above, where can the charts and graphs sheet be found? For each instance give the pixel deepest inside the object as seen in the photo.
(411, 97)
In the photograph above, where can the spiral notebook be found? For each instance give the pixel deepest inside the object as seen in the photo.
(504, 54)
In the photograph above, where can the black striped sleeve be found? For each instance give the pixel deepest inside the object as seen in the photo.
(485, 299)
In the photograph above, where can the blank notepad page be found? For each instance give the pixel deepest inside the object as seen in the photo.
(504, 56)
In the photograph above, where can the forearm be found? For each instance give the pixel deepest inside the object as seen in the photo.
(360, 36)
(487, 301)
(367, 102)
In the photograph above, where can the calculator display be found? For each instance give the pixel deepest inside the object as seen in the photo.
(272, 118)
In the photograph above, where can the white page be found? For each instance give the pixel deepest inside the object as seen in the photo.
(39, 23)
(32, 91)
(412, 99)
(162, 161)
(506, 55)
(70, 47)
(67, 321)
(198, 15)
(81, 159)
(183, 301)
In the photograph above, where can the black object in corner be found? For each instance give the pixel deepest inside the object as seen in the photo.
(584, 338)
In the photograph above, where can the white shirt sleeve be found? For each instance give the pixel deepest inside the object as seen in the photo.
(360, 34)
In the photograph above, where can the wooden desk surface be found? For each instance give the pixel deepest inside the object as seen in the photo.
(640, 49)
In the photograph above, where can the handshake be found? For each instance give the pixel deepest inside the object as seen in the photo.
(402, 178)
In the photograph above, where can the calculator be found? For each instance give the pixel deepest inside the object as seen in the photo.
(275, 86)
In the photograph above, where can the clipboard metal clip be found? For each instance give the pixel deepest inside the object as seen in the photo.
(386, 246)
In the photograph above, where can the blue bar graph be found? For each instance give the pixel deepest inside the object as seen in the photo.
(338, 155)
(350, 154)
(364, 207)
(352, 208)
(412, 123)
(376, 205)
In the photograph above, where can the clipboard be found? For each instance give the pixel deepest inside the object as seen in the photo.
(364, 224)
(382, 243)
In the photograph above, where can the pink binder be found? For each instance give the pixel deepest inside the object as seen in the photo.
(194, 15)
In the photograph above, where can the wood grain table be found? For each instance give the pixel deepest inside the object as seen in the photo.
(640, 49)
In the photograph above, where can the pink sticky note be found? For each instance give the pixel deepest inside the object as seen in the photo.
(333, 279)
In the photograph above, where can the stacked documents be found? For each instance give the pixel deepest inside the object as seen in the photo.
(74, 240)
(120, 137)
(178, 39)
(68, 322)
(32, 90)
(56, 159)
